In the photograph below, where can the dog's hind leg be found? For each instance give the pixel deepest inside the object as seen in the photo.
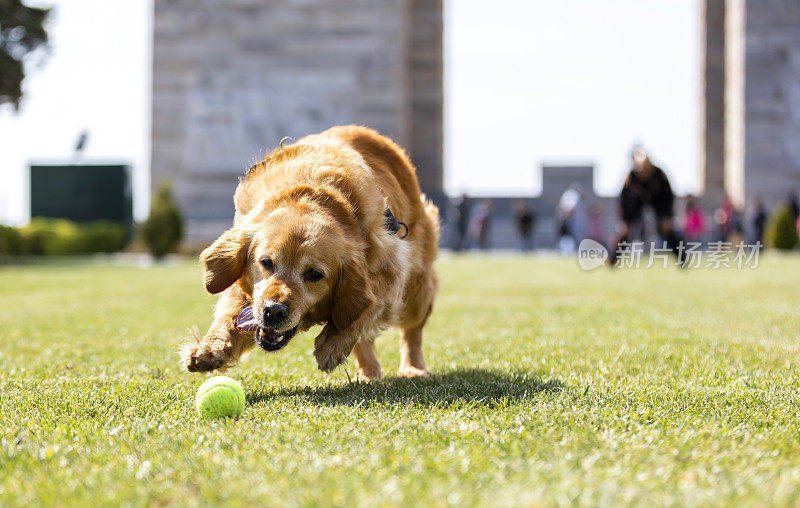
(223, 345)
(367, 364)
(420, 293)
(412, 360)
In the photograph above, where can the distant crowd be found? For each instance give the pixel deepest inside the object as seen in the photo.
(646, 210)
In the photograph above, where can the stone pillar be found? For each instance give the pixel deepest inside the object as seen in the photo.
(735, 100)
(233, 77)
(762, 104)
(771, 99)
(712, 102)
(425, 124)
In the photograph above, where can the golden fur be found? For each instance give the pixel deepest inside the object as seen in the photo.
(319, 204)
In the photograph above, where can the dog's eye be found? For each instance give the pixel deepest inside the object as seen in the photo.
(267, 264)
(313, 275)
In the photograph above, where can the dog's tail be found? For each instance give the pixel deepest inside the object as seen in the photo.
(432, 211)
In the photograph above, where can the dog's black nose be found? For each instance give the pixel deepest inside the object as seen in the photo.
(275, 313)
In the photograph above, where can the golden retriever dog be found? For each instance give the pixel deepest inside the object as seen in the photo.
(330, 230)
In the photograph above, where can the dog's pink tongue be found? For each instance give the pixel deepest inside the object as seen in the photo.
(246, 321)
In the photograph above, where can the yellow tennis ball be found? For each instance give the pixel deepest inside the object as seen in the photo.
(220, 397)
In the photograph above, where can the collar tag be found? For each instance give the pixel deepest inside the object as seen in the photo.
(393, 225)
(389, 222)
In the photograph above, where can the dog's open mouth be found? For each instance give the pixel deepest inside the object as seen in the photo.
(267, 339)
(271, 340)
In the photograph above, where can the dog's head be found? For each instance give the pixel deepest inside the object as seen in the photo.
(300, 263)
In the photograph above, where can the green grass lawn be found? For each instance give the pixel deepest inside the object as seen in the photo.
(550, 386)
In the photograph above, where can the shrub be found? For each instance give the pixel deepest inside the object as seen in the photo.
(60, 237)
(163, 229)
(53, 237)
(11, 241)
(781, 230)
(105, 236)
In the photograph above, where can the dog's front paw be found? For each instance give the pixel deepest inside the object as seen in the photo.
(329, 356)
(207, 354)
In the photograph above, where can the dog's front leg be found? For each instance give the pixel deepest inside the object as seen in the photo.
(223, 345)
(332, 346)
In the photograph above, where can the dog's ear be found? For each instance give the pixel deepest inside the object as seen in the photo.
(352, 296)
(224, 260)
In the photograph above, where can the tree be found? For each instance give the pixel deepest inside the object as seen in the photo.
(21, 33)
(163, 230)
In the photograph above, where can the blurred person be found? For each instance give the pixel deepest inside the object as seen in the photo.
(480, 223)
(736, 234)
(720, 222)
(695, 220)
(526, 221)
(728, 219)
(463, 210)
(794, 204)
(646, 185)
(596, 227)
(565, 244)
(758, 221)
(572, 217)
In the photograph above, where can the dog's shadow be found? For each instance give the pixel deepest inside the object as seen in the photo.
(472, 386)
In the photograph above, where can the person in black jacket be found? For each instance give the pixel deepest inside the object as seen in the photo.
(463, 208)
(526, 220)
(647, 185)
